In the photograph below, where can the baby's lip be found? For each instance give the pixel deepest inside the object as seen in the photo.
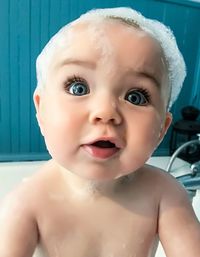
(103, 147)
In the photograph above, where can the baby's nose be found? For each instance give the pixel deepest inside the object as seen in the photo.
(105, 111)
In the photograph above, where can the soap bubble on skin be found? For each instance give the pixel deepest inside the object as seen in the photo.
(91, 189)
(88, 188)
(101, 43)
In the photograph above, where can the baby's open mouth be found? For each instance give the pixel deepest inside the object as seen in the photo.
(101, 149)
(104, 144)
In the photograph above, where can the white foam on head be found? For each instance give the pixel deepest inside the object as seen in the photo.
(100, 41)
(59, 42)
(163, 35)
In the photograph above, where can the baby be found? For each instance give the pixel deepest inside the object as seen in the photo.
(106, 83)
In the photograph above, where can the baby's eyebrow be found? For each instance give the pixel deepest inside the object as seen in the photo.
(92, 65)
(73, 61)
(146, 74)
(151, 77)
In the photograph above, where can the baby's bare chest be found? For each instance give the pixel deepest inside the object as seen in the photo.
(105, 230)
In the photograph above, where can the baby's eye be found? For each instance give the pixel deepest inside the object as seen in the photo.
(138, 97)
(77, 86)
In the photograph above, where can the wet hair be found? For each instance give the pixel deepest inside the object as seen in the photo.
(163, 35)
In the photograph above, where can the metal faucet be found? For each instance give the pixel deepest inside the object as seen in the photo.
(190, 181)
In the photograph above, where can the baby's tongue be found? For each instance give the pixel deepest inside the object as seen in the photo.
(101, 149)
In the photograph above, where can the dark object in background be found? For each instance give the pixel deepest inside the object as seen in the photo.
(185, 130)
(190, 113)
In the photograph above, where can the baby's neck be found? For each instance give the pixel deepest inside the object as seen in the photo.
(85, 188)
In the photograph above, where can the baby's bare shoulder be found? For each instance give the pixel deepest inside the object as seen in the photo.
(17, 221)
(30, 191)
(159, 187)
(156, 180)
(176, 217)
(165, 183)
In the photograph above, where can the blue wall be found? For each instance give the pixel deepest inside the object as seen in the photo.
(26, 26)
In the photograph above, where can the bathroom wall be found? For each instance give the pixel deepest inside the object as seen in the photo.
(26, 26)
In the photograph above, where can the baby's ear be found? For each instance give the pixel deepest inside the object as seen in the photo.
(37, 102)
(166, 125)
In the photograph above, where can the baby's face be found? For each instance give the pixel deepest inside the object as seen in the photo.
(109, 84)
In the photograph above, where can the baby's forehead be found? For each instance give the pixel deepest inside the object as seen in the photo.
(107, 36)
(102, 27)
(112, 46)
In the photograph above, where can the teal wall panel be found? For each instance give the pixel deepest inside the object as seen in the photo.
(27, 25)
(5, 137)
(195, 98)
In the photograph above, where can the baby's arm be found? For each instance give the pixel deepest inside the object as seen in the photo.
(179, 229)
(18, 228)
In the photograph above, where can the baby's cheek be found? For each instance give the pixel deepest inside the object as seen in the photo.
(145, 138)
(155, 132)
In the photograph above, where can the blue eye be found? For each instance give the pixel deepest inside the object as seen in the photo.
(76, 86)
(138, 97)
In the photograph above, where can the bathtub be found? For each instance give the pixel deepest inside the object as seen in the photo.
(12, 173)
